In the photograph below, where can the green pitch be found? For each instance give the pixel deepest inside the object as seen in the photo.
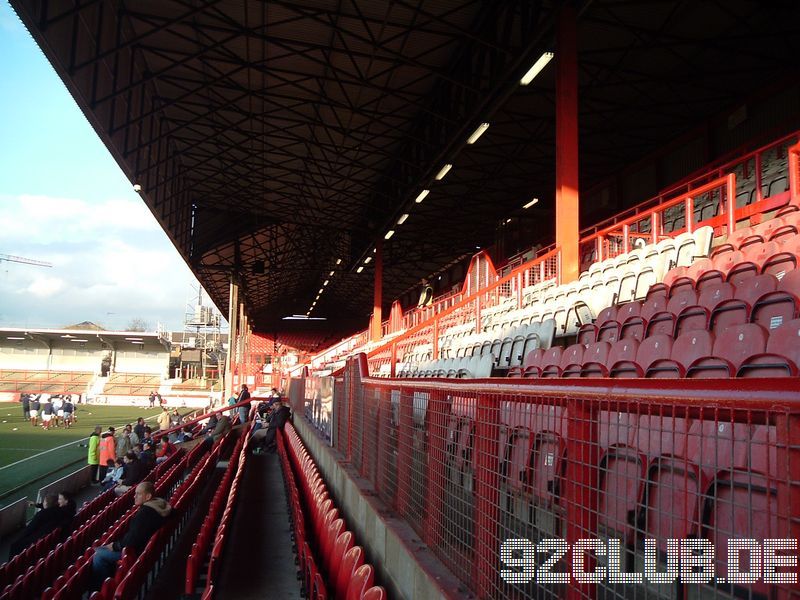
(20, 440)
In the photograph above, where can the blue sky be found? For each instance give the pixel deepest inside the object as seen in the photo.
(64, 200)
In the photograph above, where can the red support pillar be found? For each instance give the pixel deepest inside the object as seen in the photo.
(377, 298)
(567, 230)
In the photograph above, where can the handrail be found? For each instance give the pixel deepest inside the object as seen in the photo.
(392, 344)
(687, 199)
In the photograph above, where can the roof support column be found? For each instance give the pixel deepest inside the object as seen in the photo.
(377, 297)
(233, 314)
(567, 230)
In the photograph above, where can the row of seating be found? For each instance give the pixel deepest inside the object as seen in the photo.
(48, 569)
(229, 501)
(747, 350)
(661, 476)
(211, 523)
(132, 582)
(760, 299)
(326, 548)
(77, 577)
(17, 566)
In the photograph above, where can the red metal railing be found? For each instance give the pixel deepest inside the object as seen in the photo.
(511, 288)
(471, 464)
(683, 211)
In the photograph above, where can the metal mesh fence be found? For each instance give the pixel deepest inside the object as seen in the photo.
(510, 485)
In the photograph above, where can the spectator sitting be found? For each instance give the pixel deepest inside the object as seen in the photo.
(148, 456)
(115, 474)
(49, 518)
(186, 435)
(165, 450)
(212, 423)
(134, 472)
(223, 426)
(280, 414)
(148, 519)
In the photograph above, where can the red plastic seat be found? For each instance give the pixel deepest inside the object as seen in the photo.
(587, 333)
(532, 365)
(782, 356)
(653, 305)
(608, 331)
(742, 271)
(594, 360)
(690, 318)
(724, 262)
(571, 361)
(672, 276)
(335, 529)
(783, 258)
(352, 560)
(773, 309)
(621, 361)
(731, 348)
(607, 314)
(361, 581)
(376, 592)
(686, 348)
(550, 362)
(341, 546)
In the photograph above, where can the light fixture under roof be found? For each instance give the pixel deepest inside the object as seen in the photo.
(303, 318)
(422, 196)
(481, 129)
(133, 339)
(359, 269)
(78, 340)
(330, 274)
(321, 290)
(326, 282)
(531, 203)
(367, 260)
(443, 171)
(537, 67)
(389, 234)
(15, 338)
(338, 261)
(403, 218)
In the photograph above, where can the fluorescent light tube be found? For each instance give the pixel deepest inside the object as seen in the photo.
(537, 67)
(478, 133)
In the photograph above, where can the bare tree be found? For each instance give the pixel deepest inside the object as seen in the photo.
(137, 324)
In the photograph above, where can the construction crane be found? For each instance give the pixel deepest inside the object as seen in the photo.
(24, 261)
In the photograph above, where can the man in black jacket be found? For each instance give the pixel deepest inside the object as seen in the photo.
(280, 414)
(147, 520)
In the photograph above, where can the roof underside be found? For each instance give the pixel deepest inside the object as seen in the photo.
(296, 133)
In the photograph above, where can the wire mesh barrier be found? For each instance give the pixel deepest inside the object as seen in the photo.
(578, 489)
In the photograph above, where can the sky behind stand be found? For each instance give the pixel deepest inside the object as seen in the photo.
(64, 200)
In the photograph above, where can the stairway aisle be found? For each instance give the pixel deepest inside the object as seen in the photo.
(258, 562)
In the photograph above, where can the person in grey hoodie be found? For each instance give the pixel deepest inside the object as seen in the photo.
(148, 519)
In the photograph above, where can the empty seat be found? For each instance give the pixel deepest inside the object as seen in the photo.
(731, 348)
(686, 348)
(550, 362)
(570, 363)
(773, 309)
(736, 310)
(782, 356)
(621, 360)
(531, 366)
(595, 358)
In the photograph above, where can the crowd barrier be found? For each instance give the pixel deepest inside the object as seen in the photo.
(471, 465)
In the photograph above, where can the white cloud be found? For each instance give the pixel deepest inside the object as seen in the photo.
(44, 287)
(111, 263)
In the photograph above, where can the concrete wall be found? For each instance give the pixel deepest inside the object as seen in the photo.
(405, 566)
